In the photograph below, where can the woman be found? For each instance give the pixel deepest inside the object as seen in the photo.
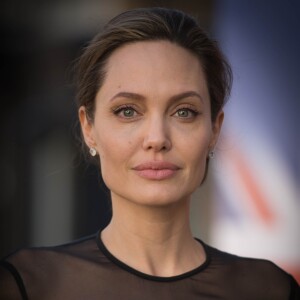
(151, 88)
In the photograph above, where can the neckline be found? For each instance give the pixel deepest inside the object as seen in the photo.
(140, 274)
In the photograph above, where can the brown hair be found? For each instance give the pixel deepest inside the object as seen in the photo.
(150, 24)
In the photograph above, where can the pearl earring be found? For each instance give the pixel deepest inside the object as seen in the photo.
(211, 154)
(93, 151)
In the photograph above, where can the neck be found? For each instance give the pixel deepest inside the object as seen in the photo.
(153, 239)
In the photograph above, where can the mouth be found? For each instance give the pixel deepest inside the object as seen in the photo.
(156, 170)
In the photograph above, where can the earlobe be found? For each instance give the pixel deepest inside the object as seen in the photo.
(86, 127)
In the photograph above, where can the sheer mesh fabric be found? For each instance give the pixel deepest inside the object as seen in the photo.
(86, 270)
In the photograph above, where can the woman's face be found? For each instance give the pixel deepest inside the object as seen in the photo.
(152, 127)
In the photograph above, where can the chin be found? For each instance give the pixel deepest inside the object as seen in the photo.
(161, 197)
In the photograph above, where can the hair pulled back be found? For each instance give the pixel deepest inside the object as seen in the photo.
(152, 24)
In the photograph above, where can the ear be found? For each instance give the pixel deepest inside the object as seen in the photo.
(216, 129)
(86, 127)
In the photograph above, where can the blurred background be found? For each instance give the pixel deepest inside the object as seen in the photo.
(49, 194)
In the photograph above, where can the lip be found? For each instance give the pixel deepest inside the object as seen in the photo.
(156, 170)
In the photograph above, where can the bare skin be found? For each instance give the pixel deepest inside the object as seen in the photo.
(153, 132)
(154, 243)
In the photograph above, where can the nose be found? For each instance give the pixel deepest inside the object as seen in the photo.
(156, 137)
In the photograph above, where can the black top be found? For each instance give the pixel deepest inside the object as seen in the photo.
(85, 269)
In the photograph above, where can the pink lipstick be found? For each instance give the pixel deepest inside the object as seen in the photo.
(156, 170)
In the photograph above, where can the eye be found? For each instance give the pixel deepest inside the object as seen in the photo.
(128, 112)
(125, 111)
(186, 113)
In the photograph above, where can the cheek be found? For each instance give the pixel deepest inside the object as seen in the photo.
(116, 140)
(109, 157)
(197, 144)
(197, 153)
(114, 151)
(198, 159)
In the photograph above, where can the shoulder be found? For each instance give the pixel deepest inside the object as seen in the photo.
(11, 284)
(51, 257)
(252, 276)
(29, 271)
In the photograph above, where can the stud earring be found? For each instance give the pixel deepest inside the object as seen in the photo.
(93, 151)
(211, 154)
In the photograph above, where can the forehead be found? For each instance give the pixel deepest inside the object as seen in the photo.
(154, 65)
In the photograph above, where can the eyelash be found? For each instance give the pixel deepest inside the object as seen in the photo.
(118, 110)
(191, 110)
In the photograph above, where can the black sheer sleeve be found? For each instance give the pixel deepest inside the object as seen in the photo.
(295, 289)
(11, 283)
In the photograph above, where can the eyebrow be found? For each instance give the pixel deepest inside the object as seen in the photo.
(174, 98)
